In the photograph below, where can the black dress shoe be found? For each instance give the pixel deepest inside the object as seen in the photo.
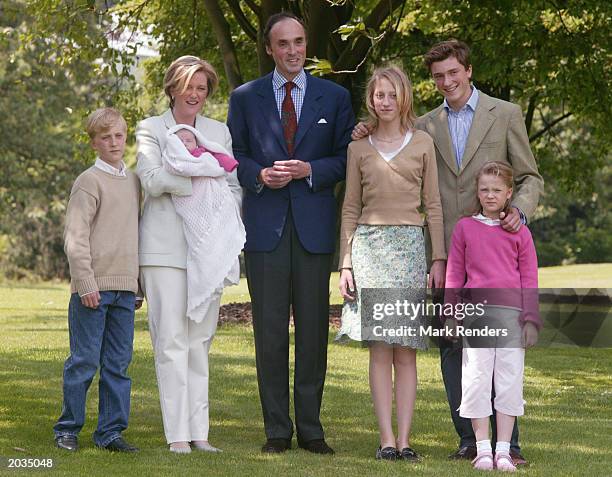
(386, 453)
(409, 454)
(69, 443)
(517, 458)
(316, 446)
(276, 446)
(119, 445)
(465, 452)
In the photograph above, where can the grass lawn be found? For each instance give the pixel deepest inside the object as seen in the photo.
(567, 429)
(597, 275)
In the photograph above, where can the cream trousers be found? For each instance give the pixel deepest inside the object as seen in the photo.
(181, 352)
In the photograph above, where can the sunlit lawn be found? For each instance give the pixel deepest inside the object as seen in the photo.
(567, 429)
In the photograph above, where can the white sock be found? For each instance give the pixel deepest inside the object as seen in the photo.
(483, 446)
(503, 447)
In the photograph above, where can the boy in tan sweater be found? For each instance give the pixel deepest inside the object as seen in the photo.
(101, 243)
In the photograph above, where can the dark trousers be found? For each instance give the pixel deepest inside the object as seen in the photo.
(450, 360)
(290, 276)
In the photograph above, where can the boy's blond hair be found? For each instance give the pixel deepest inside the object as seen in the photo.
(102, 120)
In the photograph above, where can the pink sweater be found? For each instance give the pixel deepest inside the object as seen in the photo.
(486, 256)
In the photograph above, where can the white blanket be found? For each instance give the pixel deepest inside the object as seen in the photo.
(211, 220)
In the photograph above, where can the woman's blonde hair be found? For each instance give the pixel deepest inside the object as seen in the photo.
(179, 74)
(403, 93)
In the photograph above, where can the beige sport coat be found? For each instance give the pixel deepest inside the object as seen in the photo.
(498, 133)
(162, 239)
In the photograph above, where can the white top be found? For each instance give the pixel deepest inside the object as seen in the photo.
(106, 167)
(387, 156)
(486, 220)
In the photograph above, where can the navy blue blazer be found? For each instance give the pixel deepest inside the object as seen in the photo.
(323, 134)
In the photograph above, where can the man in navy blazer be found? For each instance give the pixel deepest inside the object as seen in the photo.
(291, 152)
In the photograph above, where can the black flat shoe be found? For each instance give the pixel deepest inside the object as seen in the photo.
(316, 446)
(276, 446)
(387, 453)
(69, 443)
(409, 454)
(465, 452)
(119, 445)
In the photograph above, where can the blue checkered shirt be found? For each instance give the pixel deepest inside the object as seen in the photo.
(297, 93)
(459, 124)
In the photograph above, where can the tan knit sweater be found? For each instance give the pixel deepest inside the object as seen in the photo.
(389, 193)
(101, 233)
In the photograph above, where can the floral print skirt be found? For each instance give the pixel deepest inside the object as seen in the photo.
(386, 256)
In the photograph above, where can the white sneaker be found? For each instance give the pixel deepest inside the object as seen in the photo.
(180, 448)
(204, 446)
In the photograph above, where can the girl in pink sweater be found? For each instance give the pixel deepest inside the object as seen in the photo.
(484, 256)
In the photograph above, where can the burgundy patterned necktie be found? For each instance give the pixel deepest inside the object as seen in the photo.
(289, 118)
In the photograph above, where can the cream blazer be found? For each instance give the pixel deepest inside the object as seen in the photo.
(161, 237)
(498, 133)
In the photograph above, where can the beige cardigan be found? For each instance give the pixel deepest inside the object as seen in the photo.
(389, 193)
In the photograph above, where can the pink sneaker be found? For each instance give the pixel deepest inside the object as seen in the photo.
(503, 462)
(483, 461)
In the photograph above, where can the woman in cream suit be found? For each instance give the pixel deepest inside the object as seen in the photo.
(181, 345)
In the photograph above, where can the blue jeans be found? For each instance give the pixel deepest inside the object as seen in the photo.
(101, 337)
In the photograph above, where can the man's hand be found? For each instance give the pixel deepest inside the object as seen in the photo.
(511, 222)
(530, 335)
(274, 179)
(138, 304)
(91, 300)
(359, 131)
(437, 274)
(346, 285)
(296, 168)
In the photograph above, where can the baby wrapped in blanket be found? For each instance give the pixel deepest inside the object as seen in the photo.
(212, 224)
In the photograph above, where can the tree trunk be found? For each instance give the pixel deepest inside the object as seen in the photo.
(226, 45)
(268, 8)
(321, 22)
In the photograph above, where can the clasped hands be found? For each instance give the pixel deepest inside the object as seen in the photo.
(283, 172)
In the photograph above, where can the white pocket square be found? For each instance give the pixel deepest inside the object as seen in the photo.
(322, 121)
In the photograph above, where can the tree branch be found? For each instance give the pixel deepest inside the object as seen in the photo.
(350, 58)
(549, 126)
(254, 7)
(223, 34)
(392, 31)
(533, 101)
(242, 20)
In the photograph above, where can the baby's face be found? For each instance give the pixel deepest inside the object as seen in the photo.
(188, 139)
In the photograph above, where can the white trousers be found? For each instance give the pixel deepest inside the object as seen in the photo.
(481, 368)
(181, 352)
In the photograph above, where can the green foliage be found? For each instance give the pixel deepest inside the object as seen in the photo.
(61, 59)
(43, 148)
(552, 59)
